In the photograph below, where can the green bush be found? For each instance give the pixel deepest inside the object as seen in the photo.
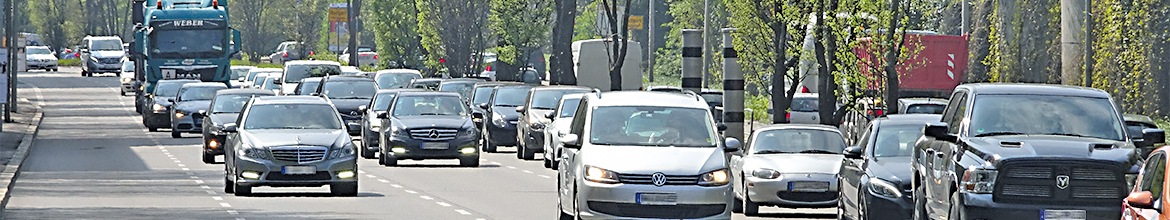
(259, 65)
(69, 62)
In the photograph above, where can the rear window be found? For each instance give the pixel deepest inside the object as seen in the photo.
(925, 109)
(804, 104)
(294, 73)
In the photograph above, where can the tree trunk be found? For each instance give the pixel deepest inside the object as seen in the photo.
(562, 43)
(891, 70)
(781, 100)
(824, 76)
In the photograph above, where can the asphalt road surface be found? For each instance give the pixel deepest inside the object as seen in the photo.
(94, 159)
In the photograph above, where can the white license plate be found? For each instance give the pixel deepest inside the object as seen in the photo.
(299, 170)
(808, 186)
(168, 73)
(1063, 215)
(435, 145)
(656, 198)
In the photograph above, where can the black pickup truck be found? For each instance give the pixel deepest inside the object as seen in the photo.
(1026, 151)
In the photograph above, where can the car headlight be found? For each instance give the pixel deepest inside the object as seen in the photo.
(1130, 178)
(250, 152)
(498, 119)
(399, 133)
(179, 113)
(765, 173)
(976, 180)
(883, 188)
(714, 178)
(126, 80)
(159, 108)
(599, 175)
(466, 133)
(345, 151)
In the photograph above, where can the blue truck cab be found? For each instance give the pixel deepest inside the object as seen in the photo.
(183, 39)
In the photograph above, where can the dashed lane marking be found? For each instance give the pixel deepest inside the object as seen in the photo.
(382, 180)
(411, 191)
(511, 167)
(225, 204)
(460, 211)
(443, 204)
(217, 198)
(426, 197)
(396, 185)
(543, 176)
(526, 171)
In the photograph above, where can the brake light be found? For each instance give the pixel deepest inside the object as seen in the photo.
(310, 53)
(285, 54)
(375, 56)
(788, 115)
(876, 112)
(489, 68)
(804, 89)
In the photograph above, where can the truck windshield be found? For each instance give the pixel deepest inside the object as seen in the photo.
(105, 45)
(294, 73)
(1045, 115)
(198, 43)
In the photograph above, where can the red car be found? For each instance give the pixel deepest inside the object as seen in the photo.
(1147, 198)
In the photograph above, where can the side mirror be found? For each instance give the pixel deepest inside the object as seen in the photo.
(570, 141)
(362, 108)
(483, 106)
(383, 115)
(229, 127)
(170, 99)
(853, 152)
(731, 145)
(938, 130)
(550, 115)
(1153, 136)
(235, 39)
(520, 109)
(1142, 200)
(721, 126)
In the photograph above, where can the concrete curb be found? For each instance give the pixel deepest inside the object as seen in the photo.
(8, 176)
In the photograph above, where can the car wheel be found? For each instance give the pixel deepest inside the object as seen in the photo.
(555, 163)
(737, 205)
(527, 153)
(381, 158)
(520, 151)
(123, 93)
(955, 210)
(389, 161)
(919, 203)
(489, 146)
(343, 189)
(750, 208)
(83, 73)
(229, 186)
(469, 162)
(176, 134)
(366, 152)
(242, 190)
(208, 158)
(547, 163)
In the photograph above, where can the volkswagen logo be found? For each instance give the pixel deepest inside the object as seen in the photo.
(1062, 181)
(434, 134)
(658, 178)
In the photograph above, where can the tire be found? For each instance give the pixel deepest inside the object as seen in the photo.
(208, 158)
(919, 203)
(242, 190)
(366, 152)
(343, 189)
(176, 134)
(489, 146)
(955, 213)
(526, 153)
(737, 205)
(381, 159)
(123, 93)
(83, 73)
(750, 208)
(229, 186)
(152, 129)
(547, 163)
(389, 161)
(469, 162)
(520, 151)
(555, 163)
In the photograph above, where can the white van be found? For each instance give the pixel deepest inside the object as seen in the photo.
(101, 55)
(591, 64)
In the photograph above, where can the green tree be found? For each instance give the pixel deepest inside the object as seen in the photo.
(453, 31)
(395, 27)
(252, 24)
(55, 22)
(520, 27)
(303, 21)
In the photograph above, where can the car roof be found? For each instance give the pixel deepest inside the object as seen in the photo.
(312, 79)
(204, 84)
(797, 126)
(494, 83)
(463, 80)
(1036, 89)
(712, 91)
(561, 87)
(348, 78)
(646, 98)
(911, 101)
(385, 91)
(243, 67)
(427, 93)
(399, 71)
(267, 70)
(178, 81)
(427, 80)
(244, 91)
(311, 62)
(907, 119)
(292, 99)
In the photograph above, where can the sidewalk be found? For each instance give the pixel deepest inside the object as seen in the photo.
(14, 132)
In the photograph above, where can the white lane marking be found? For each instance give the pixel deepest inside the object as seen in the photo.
(184, 168)
(382, 180)
(480, 219)
(460, 211)
(371, 176)
(411, 191)
(177, 161)
(511, 167)
(443, 204)
(163, 148)
(182, 165)
(426, 197)
(233, 212)
(361, 172)
(199, 181)
(396, 185)
(194, 177)
(225, 204)
(481, 159)
(496, 163)
(210, 192)
(526, 171)
(241, 219)
(217, 198)
(543, 176)
(205, 187)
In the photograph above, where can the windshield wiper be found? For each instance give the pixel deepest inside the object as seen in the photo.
(294, 127)
(430, 114)
(350, 97)
(543, 108)
(224, 112)
(817, 152)
(1071, 135)
(998, 133)
(772, 152)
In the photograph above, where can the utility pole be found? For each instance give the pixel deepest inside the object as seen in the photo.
(650, 40)
(351, 29)
(965, 16)
(11, 66)
(706, 47)
(1088, 43)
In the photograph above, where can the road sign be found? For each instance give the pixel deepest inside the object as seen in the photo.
(635, 23)
(338, 15)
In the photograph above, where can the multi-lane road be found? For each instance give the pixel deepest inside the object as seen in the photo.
(93, 158)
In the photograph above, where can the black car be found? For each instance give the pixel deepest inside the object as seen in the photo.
(371, 124)
(874, 178)
(426, 83)
(534, 117)
(480, 95)
(308, 86)
(192, 98)
(156, 110)
(428, 125)
(500, 116)
(1135, 124)
(225, 108)
(1021, 151)
(348, 94)
(462, 86)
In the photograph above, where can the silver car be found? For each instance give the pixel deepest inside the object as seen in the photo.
(788, 165)
(561, 117)
(284, 141)
(645, 155)
(804, 109)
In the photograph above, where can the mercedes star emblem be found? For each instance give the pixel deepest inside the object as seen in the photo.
(434, 134)
(1062, 181)
(658, 178)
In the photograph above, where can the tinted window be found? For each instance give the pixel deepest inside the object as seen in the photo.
(196, 43)
(382, 101)
(258, 81)
(1059, 115)
(198, 93)
(128, 66)
(511, 96)
(428, 85)
(798, 141)
(713, 99)
(956, 111)
(548, 99)
(651, 126)
(429, 105)
(308, 87)
(463, 88)
(569, 107)
(231, 103)
(804, 104)
(925, 109)
(896, 141)
(37, 50)
(294, 73)
(105, 44)
(168, 89)
(270, 84)
(482, 95)
(292, 116)
(1153, 175)
(395, 80)
(349, 89)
